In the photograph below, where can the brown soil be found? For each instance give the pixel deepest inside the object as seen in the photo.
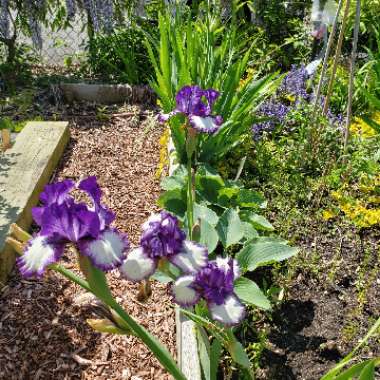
(43, 329)
(333, 299)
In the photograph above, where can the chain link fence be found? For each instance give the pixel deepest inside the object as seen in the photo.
(62, 44)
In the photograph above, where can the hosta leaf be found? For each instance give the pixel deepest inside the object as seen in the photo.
(209, 237)
(257, 254)
(258, 221)
(230, 228)
(249, 231)
(173, 201)
(249, 292)
(250, 198)
(204, 213)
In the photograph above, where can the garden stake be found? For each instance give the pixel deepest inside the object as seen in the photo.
(336, 58)
(321, 79)
(352, 72)
(325, 59)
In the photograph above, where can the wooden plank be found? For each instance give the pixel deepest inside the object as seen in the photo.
(187, 345)
(24, 171)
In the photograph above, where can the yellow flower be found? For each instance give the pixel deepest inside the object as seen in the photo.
(360, 128)
(328, 214)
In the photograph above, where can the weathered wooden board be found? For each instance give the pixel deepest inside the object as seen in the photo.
(187, 346)
(24, 170)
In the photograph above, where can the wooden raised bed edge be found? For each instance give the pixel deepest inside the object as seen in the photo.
(187, 345)
(24, 170)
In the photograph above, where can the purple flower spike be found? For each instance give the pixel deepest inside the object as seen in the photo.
(196, 105)
(107, 252)
(39, 253)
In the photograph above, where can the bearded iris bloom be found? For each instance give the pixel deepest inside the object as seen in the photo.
(196, 105)
(162, 239)
(63, 220)
(215, 284)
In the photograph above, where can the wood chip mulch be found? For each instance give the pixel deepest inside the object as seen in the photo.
(43, 329)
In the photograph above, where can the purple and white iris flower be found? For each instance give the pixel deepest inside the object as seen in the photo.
(63, 220)
(196, 105)
(162, 239)
(215, 284)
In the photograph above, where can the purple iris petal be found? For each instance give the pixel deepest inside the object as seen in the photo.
(57, 192)
(215, 282)
(162, 237)
(70, 221)
(196, 104)
(91, 187)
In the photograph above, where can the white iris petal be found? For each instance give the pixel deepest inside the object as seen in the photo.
(138, 266)
(183, 294)
(107, 252)
(205, 124)
(230, 313)
(37, 256)
(192, 257)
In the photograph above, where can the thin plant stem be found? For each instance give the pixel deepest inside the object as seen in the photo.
(160, 352)
(190, 206)
(336, 58)
(352, 73)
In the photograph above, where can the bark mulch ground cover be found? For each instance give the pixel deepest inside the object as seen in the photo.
(43, 329)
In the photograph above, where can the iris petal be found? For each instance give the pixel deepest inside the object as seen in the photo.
(91, 187)
(231, 312)
(138, 266)
(183, 292)
(207, 124)
(39, 253)
(227, 263)
(192, 257)
(107, 251)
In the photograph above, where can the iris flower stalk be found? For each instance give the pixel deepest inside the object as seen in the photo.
(99, 248)
(196, 105)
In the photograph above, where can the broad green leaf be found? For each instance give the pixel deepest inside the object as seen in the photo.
(249, 231)
(176, 181)
(230, 228)
(173, 201)
(205, 213)
(204, 351)
(258, 221)
(237, 351)
(258, 254)
(249, 292)
(251, 198)
(209, 237)
(215, 353)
